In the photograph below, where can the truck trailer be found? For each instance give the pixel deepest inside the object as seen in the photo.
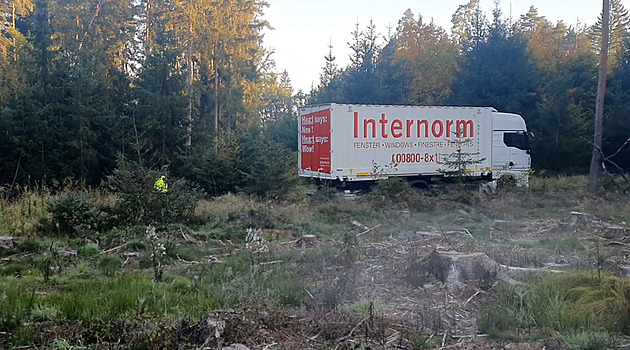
(354, 144)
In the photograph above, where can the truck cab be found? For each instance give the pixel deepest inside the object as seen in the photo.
(510, 147)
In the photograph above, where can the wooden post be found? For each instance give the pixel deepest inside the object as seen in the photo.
(596, 160)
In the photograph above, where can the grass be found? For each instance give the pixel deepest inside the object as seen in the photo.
(366, 307)
(555, 244)
(589, 340)
(568, 302)
(21, 216)
(110, 297)
(94, 291)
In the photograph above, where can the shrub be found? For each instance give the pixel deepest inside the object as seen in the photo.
(268, 169)
(109, 265)
(88, 249)
(140, 202)
(393, 187)
(396, 191)
(71, 213)
(44, 313)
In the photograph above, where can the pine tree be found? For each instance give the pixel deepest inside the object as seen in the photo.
(619, 29)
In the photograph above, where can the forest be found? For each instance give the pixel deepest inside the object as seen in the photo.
(188, 88)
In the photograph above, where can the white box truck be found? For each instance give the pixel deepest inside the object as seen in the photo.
(352, 143)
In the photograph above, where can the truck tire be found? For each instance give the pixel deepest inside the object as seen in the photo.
(506, 181)
(420, 184)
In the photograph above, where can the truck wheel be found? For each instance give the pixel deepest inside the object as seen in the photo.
(420, 184)
(506, 181)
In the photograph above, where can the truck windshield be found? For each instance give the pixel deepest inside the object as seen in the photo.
(518, 140)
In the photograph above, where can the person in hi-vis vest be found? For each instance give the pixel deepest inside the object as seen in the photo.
(161, 185)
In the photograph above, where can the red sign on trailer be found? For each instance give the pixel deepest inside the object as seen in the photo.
(315, 141)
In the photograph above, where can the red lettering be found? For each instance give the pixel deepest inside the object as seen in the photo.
(461, 128)
(409, 126)
(366, 123)
(397, 125)
(437, 123)
(383, 122)
(426, 128)
(449, 125)
(400, 128)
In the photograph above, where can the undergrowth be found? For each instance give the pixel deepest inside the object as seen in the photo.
(569, 303)
(81, 258)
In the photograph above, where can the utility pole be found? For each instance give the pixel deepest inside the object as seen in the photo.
(597, 159)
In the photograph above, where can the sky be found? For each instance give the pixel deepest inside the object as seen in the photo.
(303, 29)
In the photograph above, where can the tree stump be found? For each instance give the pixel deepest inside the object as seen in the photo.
(306, 241)
(131, 260)
(72, 253)
(6, 242)
(236, 347)
(456, 269)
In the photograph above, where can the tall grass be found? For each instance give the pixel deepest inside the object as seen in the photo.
(566, 302)
(23, 214)
(17, 299)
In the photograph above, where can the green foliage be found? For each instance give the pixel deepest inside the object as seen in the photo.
(392, 187)
(396, 192)
(22, 212)
(325, 192)
(44, 313)
(72, 213)
(567, 302)
(419, 341)
(88, 250)
(139, 202)
(267, 168)
(616, 129)
(17, 305)
(560, 245)
(126, 89)
(62, 344)
(586, 340)
(95, 301)
(460, 163)
(496, 71)
(564, 118)
(461, 192)
(109, 265)
(365, 307)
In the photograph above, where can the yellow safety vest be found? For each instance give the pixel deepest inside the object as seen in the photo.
(161, 185)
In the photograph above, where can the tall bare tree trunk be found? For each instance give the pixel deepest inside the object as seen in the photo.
(596, 160)
(14, 28)
(216, 105)
(229, 96)
(191, 74)
(148, 29)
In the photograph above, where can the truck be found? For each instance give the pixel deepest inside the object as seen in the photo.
(354, 144)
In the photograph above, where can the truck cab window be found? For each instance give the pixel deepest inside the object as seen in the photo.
(518, 140)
